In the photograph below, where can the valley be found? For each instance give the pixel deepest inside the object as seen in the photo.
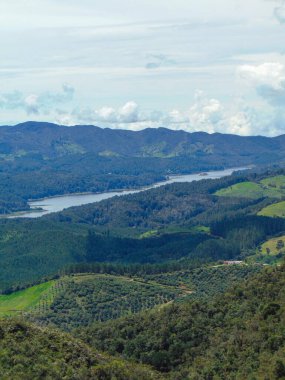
(57, 204)
(47, 160)
(152, 282)
(142, 190)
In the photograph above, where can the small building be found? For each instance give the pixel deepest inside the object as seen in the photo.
(233, 262)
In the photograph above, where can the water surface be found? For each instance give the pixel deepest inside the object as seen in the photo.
(59, 203)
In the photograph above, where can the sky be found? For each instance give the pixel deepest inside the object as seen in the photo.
(211, 65)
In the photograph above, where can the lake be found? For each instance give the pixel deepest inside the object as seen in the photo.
(59, 203)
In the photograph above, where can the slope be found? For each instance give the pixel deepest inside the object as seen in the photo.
(238, 335)
(32, 352)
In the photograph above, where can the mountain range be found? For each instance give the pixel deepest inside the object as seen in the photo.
(42, 159)
(52, 140)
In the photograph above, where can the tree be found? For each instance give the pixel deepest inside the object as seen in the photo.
(280, 245)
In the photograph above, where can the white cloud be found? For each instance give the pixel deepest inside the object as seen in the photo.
(240, 124)
(268, 79)
(129, 113)
(107, 114)
(271, 74)
(206, 114)
(35, 104)
(158, 57)
(66, 119)
(31, 103)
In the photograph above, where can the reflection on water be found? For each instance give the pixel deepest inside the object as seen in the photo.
(59, 203)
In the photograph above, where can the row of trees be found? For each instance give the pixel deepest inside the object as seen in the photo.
(237, 335)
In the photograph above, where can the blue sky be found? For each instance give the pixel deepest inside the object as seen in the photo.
(212, 65)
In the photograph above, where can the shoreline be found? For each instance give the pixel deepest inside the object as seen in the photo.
(38, 209)
(169, 177)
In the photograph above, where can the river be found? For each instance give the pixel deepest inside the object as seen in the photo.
(59, 203)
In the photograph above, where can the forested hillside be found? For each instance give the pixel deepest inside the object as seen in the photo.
(233, 335)
(52, 140)
(82, 298)
(32, 352)
(191, 221)
(201, 201)
(147, 277)
(238, 335)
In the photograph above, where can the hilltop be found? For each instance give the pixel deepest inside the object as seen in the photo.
(52, 140)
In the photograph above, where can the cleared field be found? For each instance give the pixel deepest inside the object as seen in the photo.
(274, 182)
(272, 187)
(24, 300)
(274, 246)
(274, 210)
(243, 189)
(173, 229)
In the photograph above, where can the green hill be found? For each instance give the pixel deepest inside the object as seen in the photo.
(274, 210)
(32, 352)
(238, 335)
(271, 187)
(80, 299)
(272, 251)
(27, 299)
(87, 298)
(178, 221)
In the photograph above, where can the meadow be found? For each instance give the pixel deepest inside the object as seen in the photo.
(271, 187)
(274, 210)
(27, 299)
(273, 246)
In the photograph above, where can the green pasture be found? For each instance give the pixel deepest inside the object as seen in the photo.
(24, 300)
(274, 210)
(271, 187)
(273, 247)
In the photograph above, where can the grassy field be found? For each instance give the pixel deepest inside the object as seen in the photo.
(274, 210)
(272, 187)
(271, 246)
(243, 189)
(274, 182)
(173, 229)
(24, 300)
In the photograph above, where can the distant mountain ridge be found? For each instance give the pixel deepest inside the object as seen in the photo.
(43, 159)
(52, 140)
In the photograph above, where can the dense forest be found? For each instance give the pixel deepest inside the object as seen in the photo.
(32, 352)
(238, 335)
(178, 203)
(148, 278)
(174, 222)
